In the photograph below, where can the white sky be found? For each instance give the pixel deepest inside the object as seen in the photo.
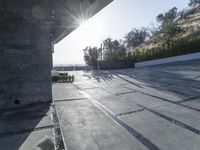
(114, 21)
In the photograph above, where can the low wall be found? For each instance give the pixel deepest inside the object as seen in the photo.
(116, 64)
(180, 58)
(68, 68)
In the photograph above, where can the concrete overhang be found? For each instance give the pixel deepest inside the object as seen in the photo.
(71, 14)
(28, 29)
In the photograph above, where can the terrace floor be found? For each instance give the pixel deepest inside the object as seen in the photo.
(156, 108)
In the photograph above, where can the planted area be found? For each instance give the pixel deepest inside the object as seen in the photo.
(63, 77)
(168, 49)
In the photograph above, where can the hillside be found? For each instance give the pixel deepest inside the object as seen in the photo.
(189, 21)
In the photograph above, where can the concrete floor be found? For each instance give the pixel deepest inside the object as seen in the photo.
(156, 108)
(29, 128)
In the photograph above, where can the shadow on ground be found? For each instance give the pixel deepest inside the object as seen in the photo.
(25, 128)
(179, 78)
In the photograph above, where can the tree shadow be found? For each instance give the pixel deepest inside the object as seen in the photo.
(179, 79)
(99, 75)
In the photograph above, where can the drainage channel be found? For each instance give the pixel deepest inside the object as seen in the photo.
(146, 142)
(58, 137)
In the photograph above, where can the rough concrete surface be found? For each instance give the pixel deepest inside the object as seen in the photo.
(27, 129)
(154, 108)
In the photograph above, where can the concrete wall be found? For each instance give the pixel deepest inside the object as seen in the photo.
(169, 60)
(25, 58)
(69, 68)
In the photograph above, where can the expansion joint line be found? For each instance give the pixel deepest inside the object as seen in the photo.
(11, 133)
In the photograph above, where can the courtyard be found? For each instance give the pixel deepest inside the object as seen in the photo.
(154, 107)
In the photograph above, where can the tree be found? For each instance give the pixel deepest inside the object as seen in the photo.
(136, 37)
(169, 28)
(168, 16)
(193, 2)
(114, 49)
(91, 56)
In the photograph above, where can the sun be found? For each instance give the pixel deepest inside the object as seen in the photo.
(90, 30)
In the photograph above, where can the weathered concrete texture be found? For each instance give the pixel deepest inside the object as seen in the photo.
(29, 128)
(186, 115)
(26, 57)
(38, 140)
(145, 100)
(195, 103)
(85, 127)
(164, 134)
(37, 116)
(63, 92)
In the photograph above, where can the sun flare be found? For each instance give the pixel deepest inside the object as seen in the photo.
(90, 30)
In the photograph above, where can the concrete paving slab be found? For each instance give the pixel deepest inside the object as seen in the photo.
(118, 89)
(35, 117)
(195, 103)
(180, 113)
(98, 93)
(37, 140)
(114, 103)
(84, 127)
(63, 91)
(134, 87)
(187, 91)
(179, 81)
(144, 100)
(154, 84)
(166, 135)
(118, 106)
(190, 74)
(198, 78)
(163, 94)
(85, 85)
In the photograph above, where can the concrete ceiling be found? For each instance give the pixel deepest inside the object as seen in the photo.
(22, 19)
(67, 14)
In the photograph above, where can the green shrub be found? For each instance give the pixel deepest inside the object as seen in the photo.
(168, 49)
(72, 78)
(55, 78)
(63, 77)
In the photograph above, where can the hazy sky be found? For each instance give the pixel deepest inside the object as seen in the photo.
(114, 21)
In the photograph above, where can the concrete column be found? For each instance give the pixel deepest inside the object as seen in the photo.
(25, 54)
(25, 65)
